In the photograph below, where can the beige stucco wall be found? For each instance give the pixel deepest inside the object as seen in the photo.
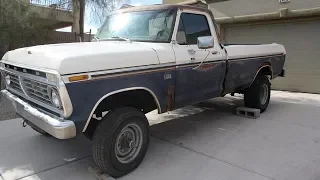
(245, 7)
(232, 8)
(172, 1)
(50, 13)
(57, 17)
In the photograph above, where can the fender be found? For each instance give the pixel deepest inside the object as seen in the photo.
(119, 91)
(270, 68)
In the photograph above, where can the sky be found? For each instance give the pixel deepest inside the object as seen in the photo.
(89, 25)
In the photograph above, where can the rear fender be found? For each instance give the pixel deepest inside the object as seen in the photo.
(263, 69)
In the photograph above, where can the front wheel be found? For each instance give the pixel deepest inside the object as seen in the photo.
(258, 94)
(120, 141)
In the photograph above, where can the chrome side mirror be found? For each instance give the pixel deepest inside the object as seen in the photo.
(205, 42)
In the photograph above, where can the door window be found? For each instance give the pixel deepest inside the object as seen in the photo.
(192, 26)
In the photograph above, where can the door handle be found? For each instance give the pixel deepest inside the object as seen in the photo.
(214, 52)
(191, 51)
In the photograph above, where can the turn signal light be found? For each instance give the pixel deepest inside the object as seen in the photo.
(78, 78)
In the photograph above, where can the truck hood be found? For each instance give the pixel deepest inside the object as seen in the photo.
(72, 58)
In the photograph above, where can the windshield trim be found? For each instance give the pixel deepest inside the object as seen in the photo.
(173, 25)
(174, 14)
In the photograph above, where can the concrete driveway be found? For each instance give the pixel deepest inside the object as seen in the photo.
(205, 141)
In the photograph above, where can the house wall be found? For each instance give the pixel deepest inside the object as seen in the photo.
(56, 14)
(53, 18)
(229, 8)
(245, 7)
(172, 1)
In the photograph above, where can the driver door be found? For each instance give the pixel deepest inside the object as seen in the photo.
(199, 72)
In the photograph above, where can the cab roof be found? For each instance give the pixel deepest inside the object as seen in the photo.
(160, 7)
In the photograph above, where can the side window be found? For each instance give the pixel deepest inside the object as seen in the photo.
(181, 34)
(193, 26)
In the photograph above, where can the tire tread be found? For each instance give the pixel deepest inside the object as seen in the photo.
(104, 132)
(252, 94)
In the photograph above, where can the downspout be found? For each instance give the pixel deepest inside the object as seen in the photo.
(282, 13)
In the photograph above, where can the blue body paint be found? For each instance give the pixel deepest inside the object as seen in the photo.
(190, 85)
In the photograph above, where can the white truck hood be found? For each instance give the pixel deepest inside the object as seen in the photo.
(72, 58)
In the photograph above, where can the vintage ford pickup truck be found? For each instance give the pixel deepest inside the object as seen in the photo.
(142, 58)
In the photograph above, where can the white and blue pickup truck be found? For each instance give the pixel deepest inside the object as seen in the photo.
(144, 58)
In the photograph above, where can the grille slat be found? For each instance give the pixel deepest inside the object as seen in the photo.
(36, 90)
(16, 87)
(12, 78)
(44, 99)
(15, 82)
(40, 86)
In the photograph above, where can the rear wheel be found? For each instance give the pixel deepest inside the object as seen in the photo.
(120, 141)
(258, 94)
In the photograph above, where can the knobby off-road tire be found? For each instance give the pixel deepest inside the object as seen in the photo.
(120, 141)
(258, 94)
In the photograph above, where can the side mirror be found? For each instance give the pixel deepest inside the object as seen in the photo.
(205, 42)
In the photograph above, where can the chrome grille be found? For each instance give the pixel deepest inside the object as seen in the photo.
(14, 82)
(33, 87)
(36, 90)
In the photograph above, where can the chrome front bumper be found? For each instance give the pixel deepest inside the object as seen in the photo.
(59, 128)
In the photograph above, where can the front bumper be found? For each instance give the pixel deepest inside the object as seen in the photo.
(59, 128)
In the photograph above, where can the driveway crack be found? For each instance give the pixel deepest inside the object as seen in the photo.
(53, 167)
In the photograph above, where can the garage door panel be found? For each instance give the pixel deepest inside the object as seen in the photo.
(297, 82)
(301, 41)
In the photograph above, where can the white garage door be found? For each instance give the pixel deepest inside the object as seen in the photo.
(302, 43)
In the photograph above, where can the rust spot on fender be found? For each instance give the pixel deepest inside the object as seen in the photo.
(170, 98)
(207, 67)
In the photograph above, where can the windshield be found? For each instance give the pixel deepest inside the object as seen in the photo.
(152, 26)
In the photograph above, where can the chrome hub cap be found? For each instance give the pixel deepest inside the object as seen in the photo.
(264, 93)
(128, 143)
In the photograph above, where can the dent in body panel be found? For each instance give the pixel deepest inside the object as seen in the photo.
(84, 95)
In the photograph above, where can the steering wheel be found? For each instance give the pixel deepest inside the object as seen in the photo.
(160, 33)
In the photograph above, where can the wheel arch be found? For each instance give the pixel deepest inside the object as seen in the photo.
(266, 69)
(110, 94)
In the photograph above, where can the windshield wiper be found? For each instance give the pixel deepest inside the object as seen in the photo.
(97, 39)
(116, 38)
(122, 38)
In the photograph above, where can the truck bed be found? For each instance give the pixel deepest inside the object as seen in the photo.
(244, 61)
(258, 50)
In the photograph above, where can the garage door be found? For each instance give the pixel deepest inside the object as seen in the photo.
(302, 43)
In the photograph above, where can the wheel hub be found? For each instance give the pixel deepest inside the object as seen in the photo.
(264, 94)
(129, 142)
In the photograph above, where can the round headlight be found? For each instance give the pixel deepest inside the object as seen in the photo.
(55, 98)
(7, 79)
